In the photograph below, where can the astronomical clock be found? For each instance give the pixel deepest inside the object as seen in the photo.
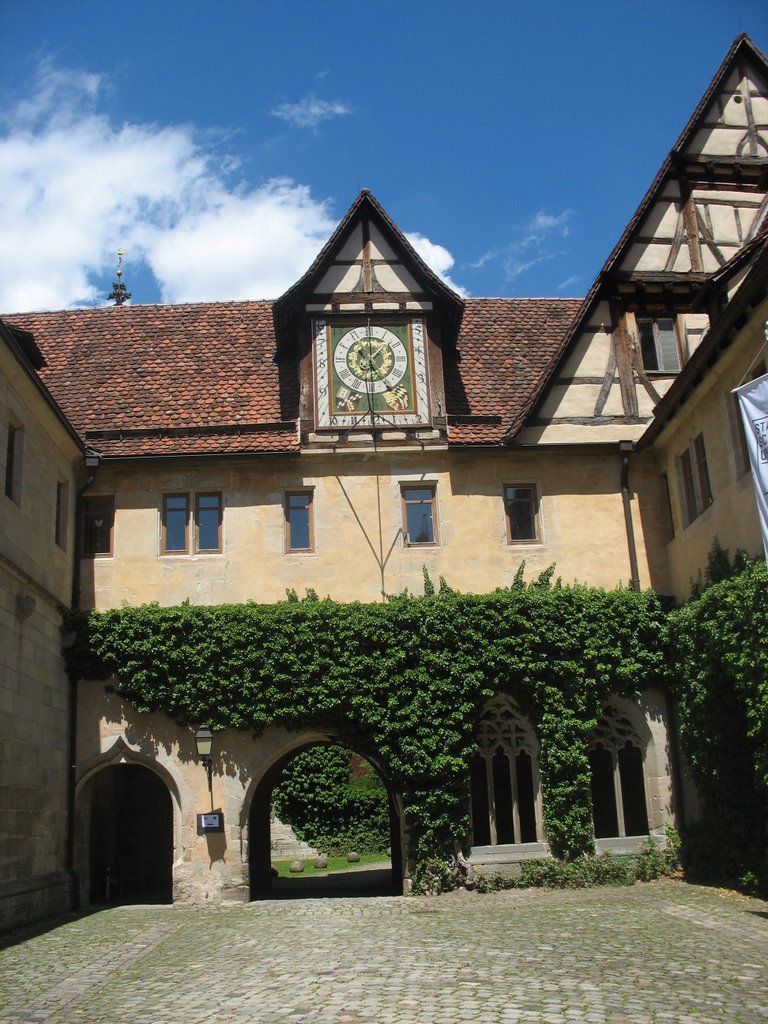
(370, 373)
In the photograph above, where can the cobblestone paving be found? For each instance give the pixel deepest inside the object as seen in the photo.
(662, 952)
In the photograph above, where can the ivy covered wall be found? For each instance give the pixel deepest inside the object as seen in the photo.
(719, 669)
(403, 682)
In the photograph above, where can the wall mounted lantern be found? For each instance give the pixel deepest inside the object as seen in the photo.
(204, 744)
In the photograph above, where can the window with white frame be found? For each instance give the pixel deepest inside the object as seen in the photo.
(659, 348)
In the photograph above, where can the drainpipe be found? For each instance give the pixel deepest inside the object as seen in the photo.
(92, 460)
(625, 450)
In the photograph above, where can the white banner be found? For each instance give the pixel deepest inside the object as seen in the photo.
(753, 402)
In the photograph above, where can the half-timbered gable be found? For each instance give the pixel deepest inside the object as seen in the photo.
(641, 321)
(369, 323)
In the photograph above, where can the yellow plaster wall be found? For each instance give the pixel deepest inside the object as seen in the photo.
(357, 519)
(732, 516)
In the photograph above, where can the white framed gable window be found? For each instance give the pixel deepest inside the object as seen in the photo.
(659, 348)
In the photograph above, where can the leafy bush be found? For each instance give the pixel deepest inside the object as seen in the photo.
(333, 802)
(719, 645)
(434, 875)
(585, 872)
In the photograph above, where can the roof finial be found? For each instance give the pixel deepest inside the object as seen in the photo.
(119, 292)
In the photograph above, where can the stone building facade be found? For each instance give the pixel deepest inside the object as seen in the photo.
(370, 423)
(44, 466)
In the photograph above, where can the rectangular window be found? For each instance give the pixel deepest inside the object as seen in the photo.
(658, 344)
(192, 525)
(521, 506)
(668, 526)
(694, 480)
(175, 540)
(97, 526)
(208, 516)
(62, 514)
(13, 452)
(419, 515)
(704, 491)
(689, 491)
(299, 532)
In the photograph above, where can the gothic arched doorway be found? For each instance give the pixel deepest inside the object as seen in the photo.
(259, 846)
(131, 836)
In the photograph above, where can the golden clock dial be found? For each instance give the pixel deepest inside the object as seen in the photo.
(370, 359)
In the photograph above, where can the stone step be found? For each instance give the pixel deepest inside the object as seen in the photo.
(285, 845)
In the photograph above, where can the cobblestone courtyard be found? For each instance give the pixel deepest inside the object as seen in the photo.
(660, 952)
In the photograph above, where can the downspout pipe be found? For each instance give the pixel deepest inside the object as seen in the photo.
(92, 460)
(625, 450)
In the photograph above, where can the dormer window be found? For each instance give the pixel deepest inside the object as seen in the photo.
(658, 344)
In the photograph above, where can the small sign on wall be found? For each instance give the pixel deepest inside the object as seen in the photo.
(213, 821)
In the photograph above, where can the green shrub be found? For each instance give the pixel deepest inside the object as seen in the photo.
(719, 667)
(434, 875)
(333, 801)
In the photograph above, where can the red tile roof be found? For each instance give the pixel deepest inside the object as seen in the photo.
(156, 369)
(202, 379)
(506, 347)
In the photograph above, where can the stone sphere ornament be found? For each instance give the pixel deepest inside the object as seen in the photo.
(353, 857)
(297, 866)
(321, 861)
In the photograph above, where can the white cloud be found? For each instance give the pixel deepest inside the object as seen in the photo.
(532, 246)
(569, 282)
(543, 222)
(240, 246)
(310, 111)
(436, 257)
(74, 188)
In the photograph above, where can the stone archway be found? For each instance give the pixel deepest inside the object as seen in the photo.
(257, 816)
(130, 842)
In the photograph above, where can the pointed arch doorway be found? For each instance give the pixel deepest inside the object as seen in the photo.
(259, 846)
(131, 836)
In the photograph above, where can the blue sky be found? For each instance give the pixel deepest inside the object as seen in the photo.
(220, 143)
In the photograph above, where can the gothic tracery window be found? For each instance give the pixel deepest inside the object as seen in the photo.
(616, 760)
(504, 778)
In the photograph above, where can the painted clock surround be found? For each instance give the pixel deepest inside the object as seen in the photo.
(370, 372)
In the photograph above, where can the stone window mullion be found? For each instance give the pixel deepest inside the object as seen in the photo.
(617, 792)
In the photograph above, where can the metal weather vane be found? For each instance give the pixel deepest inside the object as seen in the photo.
(119, 291)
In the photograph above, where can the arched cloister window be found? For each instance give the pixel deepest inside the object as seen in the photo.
(616, 758)
(504, 778)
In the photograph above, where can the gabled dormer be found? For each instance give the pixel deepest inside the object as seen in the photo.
(369, 323)
(643, 318)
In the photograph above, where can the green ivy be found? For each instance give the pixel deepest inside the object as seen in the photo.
(719, 645)
(331, 806)
(402, 683)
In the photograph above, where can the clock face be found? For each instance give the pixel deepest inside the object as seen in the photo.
(370, 374)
